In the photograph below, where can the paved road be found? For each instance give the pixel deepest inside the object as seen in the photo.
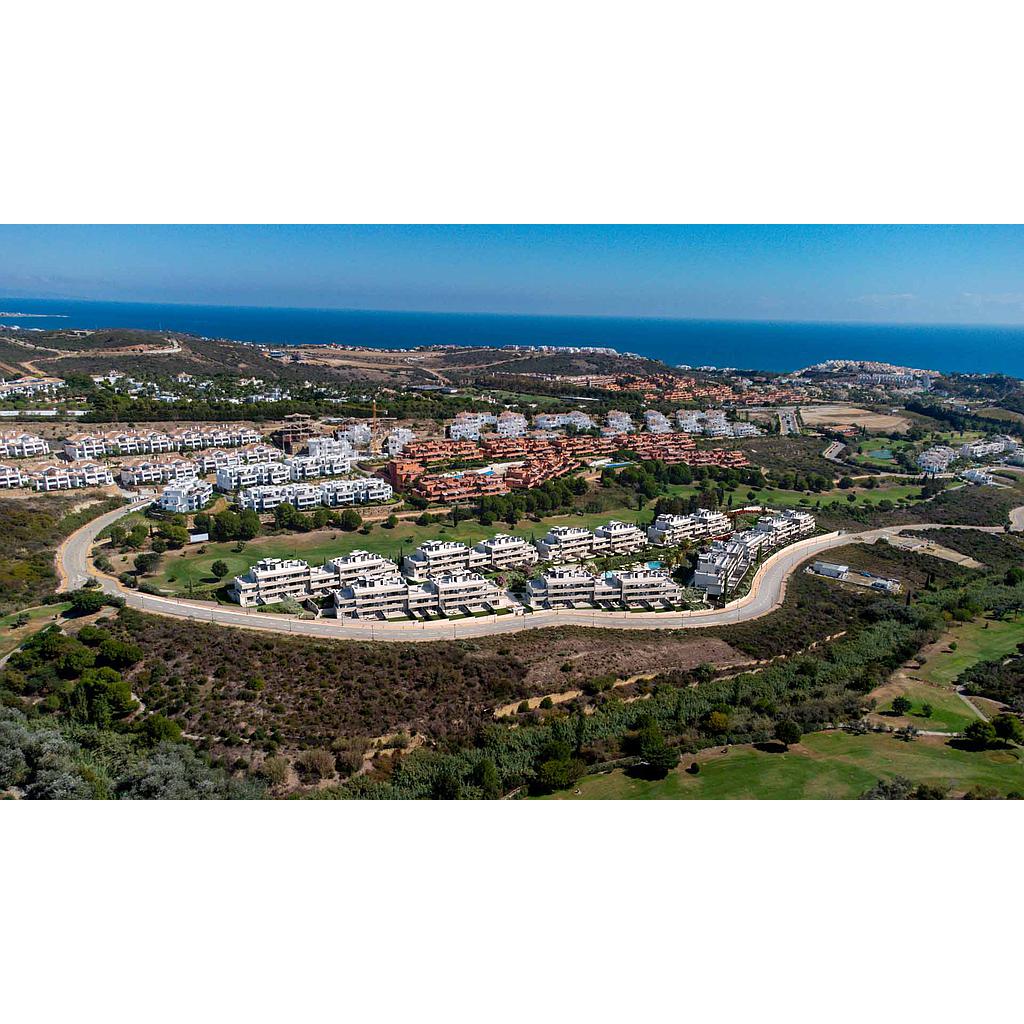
(766, 594)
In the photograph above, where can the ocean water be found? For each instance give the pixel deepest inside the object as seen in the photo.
(746, 344)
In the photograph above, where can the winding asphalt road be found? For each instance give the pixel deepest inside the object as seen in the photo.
(766, 593)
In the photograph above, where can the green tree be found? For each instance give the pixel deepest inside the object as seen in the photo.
(1008, 728)
(350, 520)
(787, 732)
(980, 734)
(901, 705)
(86, 602)
(219, 568)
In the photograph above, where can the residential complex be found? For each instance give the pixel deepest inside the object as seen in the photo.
(330, 494)
(94, 446)
(135, 474)
(438, 557)
(572, 543)
(937, 459)
(233, 478)
(189, 495)
(721, 568)
(678, 529)
(22, 446)
(566, 588)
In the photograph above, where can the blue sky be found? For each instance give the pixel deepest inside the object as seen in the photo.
(925, 274)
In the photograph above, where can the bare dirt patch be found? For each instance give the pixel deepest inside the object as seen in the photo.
(842, 414)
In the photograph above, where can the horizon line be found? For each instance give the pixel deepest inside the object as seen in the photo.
(1019, 325)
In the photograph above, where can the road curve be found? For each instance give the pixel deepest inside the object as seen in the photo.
(767, 590)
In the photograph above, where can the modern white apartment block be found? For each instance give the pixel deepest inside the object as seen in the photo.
(506, 552)
(247, 455)
(785, 526)
(619, 422)
(330, 447)
(510, 424)
(360, 565)
(312, 467)
(186, 495)
(395, 442)
(566, 588)
(385, 597)
(983, 449)
(566, 544)
(937, 459)
(978, 476)
(358, 435)
(267, 497)
(69, 478)
(259, 474)
(272, 579)
(467, 425)
(714, 423)
(724, 565)
(153, 442)
(656, 422)
(553, 420)
(461, 593)
(617, 538)
(135, 474)
(357, 491)
(441, 557)
(22, 446)
(12, 476)
(669, 530)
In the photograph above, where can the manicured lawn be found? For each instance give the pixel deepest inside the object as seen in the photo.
(319, 545)
(825, 765)
(980, 640)
(949, 713)
(11, 639)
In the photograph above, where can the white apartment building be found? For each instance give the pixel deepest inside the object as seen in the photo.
(68, 478)
(23, 446)
(552, 421)
(978, 476)
(724, 565)
(233, 478)
(219, 458)
(360, 565)
(441, 557)
(462, 593)
(565, 588)
(12, 476)
(984, 449)
(186, 495)
(311, 467)
(395, 442)
(272, 579)
(505, 552)
(619, 422)
(937, 459)
(135, 474)
(566, 544)
(383, 597)
(467, 425)
(266, 497)
(329, 447)
(677, 529)
(510, 424)
(334, 493)
(358, 435)
(617, 538)
(646, 586)
(30, 386)
(656, 422)
(152, 442)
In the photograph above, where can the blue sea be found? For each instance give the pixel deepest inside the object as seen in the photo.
(736, 343)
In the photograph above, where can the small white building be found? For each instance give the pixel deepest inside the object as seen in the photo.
(189, 495)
